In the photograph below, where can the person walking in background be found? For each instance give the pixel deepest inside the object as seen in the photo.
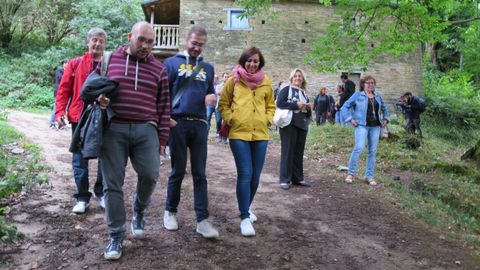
(348, 86)
(58, 77)
(278, 88)
(139, 131)
(191, 82)
(211, 108)
(294, 135)
(75, 74)
(367, 113)
(247, 106)
(218, 115)
(323, 106)
(338, 105)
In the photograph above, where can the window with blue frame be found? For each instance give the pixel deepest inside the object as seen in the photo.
(235, 21)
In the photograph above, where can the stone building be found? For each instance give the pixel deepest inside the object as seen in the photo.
(284, 41)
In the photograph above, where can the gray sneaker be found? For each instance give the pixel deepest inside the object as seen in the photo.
(138, 225)
(206, 229)
(114, 249)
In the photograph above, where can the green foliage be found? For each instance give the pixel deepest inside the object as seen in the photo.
(27, 81)
(115, 17)
(452, 99)
(372, 28)
(470, 49)
(16, 172)
(8, 231)
(440, 189)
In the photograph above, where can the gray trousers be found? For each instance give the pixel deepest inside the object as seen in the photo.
(139, 142)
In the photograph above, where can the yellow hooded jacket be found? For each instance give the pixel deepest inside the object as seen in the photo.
(250, 112)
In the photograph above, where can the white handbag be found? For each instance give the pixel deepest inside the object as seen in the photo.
(283, 117)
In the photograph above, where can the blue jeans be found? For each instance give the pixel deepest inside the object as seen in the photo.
(249, 159)
(188, 134)
(363, 134)
(218, 118)
(80, 173)
(52, 114)
(210, 111)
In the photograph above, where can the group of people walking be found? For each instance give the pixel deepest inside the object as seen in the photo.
(158, 104)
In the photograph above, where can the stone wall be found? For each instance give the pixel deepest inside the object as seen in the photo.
(286, 40)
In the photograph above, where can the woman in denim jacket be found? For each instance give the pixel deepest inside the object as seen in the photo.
(368, 116)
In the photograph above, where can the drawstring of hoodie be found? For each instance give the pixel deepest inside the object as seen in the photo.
(136, 71)
(187, 56)
(136, 76)
(126, 65)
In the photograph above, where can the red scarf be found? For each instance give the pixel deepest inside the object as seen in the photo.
(253, 80)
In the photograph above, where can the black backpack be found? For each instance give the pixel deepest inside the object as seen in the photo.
(421, 104)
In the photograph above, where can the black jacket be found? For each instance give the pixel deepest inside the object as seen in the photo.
(349, 90)
(330, 104)
(413, 108)
(87, 137)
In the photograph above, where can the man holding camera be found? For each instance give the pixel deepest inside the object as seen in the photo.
(412, 107)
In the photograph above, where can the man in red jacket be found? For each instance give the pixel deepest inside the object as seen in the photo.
(75, 74)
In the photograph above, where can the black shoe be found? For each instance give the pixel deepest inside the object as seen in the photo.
(138, 224)
(114, 249)
(302, 183)
(284, 186)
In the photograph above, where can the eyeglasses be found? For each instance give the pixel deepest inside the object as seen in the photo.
(144, 40)
(370, 83)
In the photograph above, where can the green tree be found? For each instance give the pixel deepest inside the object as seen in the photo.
(370, 28)
(54, 19)
(16, 18)
(116, 17)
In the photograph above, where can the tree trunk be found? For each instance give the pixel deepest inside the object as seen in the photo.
(432, 49)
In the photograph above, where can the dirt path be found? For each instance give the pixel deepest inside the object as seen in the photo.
(329, 226)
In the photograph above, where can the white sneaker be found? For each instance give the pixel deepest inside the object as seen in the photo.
(80, 207)
(101, 201)
(253, 217)
(246, 227)
(206, 229)
(170, 221)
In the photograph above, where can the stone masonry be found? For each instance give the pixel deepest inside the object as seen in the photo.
(286, 40)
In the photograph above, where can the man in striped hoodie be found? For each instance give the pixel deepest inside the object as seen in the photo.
(138, 131)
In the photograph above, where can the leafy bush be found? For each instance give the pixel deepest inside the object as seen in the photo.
(16, 172)
(452, 99)
(27, 81)
(8, 231)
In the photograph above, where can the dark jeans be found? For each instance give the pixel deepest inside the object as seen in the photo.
(192, 135)
(249, 159)
(218, 118)
(80, 174)
(413, 125)
(320, 118)
(139, 142)
(291, 159)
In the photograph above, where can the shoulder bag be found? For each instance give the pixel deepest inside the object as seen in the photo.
(283, 117)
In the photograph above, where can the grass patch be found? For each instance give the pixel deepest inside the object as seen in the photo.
(20, 168)
(442, 190)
